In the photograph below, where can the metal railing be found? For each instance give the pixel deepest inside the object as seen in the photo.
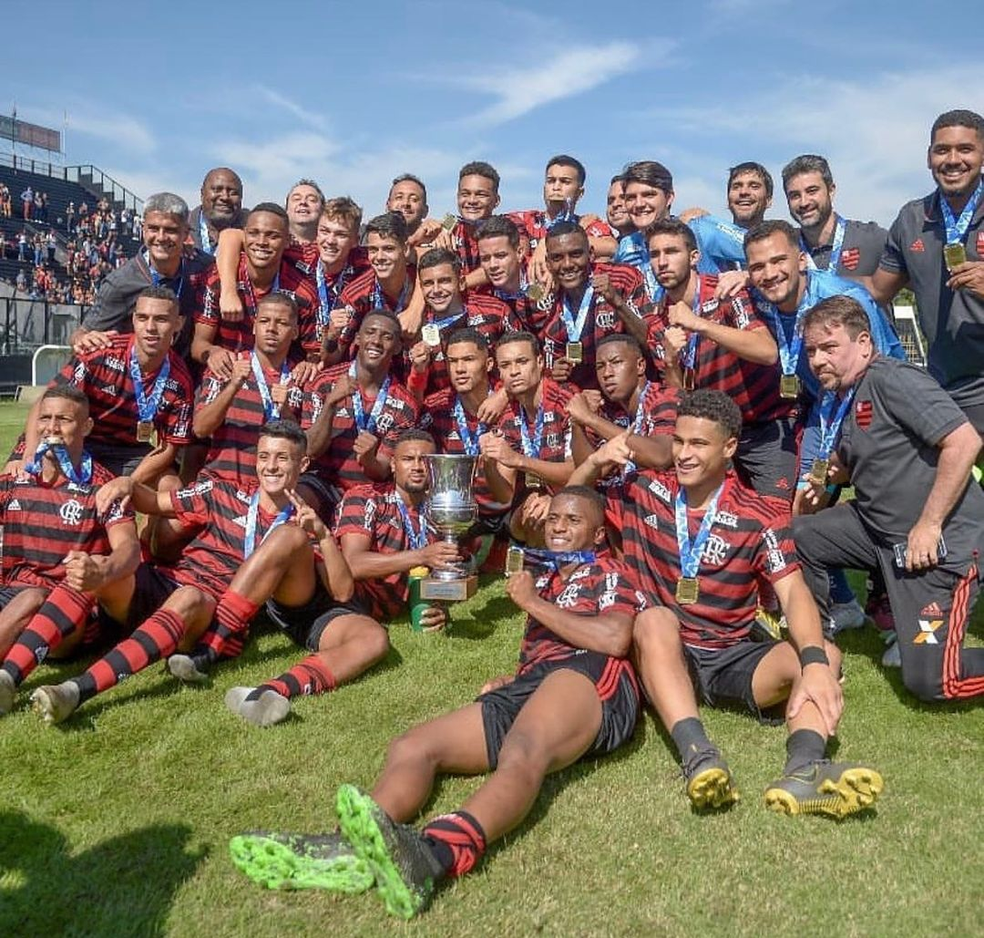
(27, 324)
(83, 175)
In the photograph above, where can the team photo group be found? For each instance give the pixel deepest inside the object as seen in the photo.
(671, 433)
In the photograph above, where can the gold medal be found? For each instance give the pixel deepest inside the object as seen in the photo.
(145, 430)
(431, 335)
(954, 254)
(514, 560)
(534, 292)
(689, 379)
(574, 352)
(687, 590)
(818, 471)
(449, 222)
(533, 481)
(789, 387)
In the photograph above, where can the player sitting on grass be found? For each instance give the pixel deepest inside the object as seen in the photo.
(700, 541)
(574, 693)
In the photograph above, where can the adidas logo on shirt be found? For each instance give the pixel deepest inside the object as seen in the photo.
(652, 520)
(14, 505)
(241, 521)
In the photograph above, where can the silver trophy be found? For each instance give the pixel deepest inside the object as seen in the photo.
(450, 510)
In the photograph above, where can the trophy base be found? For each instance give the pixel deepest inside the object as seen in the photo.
(448, 590)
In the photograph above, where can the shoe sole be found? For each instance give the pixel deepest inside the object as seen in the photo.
(357, 819)
(275, 866)
(270, 709)
(712, 788)
(856, 789)
(49, 707)
(183, 668)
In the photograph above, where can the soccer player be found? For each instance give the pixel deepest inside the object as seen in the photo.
(139, 394)
(842, 246)
(535, 438)
(504, 265)
(615, 213)
(389, 284)
(699, 541)
(57, 542)
(408, 196)
(162, 263)
(231, 411)
(304, 204)
(261, 269)
(907, 449)
(574, 693)
(175, 604)
(936, 247)
(441, 283)
(591, 301)
(221, 207)
(353, 414)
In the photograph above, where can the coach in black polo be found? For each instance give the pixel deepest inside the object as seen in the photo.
(907, 449)
(949, 297)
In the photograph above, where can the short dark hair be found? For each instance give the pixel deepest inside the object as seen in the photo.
(712, 405)
(284, 430)
(414, 434)
(499, 226)
(958, 118)
(509, 338)
(273, 209)
(437, 256)
(562, 228)
(386, 314)
(766, 229)
(409, 177)
(620, 179)
(590, 495)
(468, 334)
(67, 392)
(279, 298)
(807, 163)
(649, 172)
(159, 292)
(562, 159)
(674, 227)
(622, 338)
(750, 166)
(388, 225)
(480, 168)
(838, 310)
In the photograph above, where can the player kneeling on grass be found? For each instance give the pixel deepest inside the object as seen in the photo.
(573, 694)
(700, 541)
(175, 604)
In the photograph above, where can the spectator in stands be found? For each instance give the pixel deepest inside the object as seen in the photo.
(70, 217)
(4, 200)
(22, 242)
(21, 282)
(44, 206)
(138, 226)
(221, 207)
(27, 203)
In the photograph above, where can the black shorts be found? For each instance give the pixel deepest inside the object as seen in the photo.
(152, 588)
(119, 459)
(305, 624)
(8, 593)
(767, 457)
(613, 679)
(330, 495)
(725, 675)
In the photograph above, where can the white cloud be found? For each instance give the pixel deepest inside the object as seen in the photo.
(99, 121)
(291, 107)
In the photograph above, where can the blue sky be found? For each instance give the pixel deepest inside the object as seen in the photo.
(353, 93)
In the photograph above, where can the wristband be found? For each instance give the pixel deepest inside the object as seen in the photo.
(812, 654)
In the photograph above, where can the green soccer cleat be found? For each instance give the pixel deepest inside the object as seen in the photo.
(56, 702)
(300, 861)
(710, 783)
(402, 864)
(835, 789)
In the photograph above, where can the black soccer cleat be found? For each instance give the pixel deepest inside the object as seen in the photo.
(710, 783)
(403, 865)
(834, 789)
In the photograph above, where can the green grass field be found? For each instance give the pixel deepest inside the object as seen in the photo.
(118, 822)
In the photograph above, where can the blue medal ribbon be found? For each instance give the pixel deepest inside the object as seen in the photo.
(82, 477)
(203, 234)
(836, 247)
(157, 279)
(831, 420)
(270, 409)
(358, 410)
(789, 351)
(249, 542)
(469, 441)
(956, 229)
(691, 551)
(531, 447)
(574, 326)
(633, 250)
(147, 406)
(416, 536)
(379, 300)
(442, 324)
(555, 559)
(688, 357)
(327, 303)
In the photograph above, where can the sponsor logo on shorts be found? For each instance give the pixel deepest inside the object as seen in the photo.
(917, 246)
(927, 632)
(932, 611)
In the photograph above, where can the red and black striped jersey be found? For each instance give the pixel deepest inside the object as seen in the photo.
(372, 511)
(42, 523)
(337, 465)
(238, 336)
(604, 586)
(465, 244)
(104, 377)
(438, 417)
(555, 444)
(232, 449)
(751, 386)
(749, 541)
(365, 293)
(525, 315)
(536, 225)
(486, 314)
(217, 509)
(602, 320)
